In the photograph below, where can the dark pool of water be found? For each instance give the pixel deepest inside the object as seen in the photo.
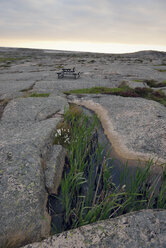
(118, 165)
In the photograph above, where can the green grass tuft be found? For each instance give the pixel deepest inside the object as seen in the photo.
(98, 90)
(125, 91)
(39, 94)
(9, 59)
(162, 64)
(160, 70)
(164, 82)
(138, 80)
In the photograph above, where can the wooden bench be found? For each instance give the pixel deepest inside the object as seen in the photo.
(68, 72)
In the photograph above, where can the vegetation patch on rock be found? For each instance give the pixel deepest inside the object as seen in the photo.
(154, 84)
(39, 94)
(160, 70)
(87, 192)
(8, 61)
(125, 91)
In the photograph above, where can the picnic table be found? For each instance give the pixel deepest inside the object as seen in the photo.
(68, 72)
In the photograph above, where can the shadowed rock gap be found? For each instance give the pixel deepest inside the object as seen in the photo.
(29, 88)
(3, 104)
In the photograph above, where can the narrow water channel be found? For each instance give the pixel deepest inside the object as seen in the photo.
(116, 163)
(55, 206)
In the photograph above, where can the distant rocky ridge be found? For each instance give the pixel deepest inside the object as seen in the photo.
(31, 166)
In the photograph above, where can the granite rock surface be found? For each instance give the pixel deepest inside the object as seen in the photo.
(28, 124)
(136, 127)
(27, 130)
(140, 229)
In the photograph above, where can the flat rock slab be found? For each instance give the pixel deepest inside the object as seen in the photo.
(27, 130)
(65, 84)
(13, 89)
(136, 127)
(33, 109)
(16, 75)
(146, 228)
(12, 86)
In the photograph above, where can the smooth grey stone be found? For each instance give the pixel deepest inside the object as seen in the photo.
(54, 169)
(145, 228)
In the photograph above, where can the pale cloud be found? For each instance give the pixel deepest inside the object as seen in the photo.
(119, 21)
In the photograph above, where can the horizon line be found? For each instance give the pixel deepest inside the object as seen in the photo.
(78, 51)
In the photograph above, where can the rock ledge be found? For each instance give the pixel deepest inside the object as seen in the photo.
(146, 228)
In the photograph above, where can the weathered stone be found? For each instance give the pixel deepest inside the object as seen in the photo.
(136, 127)
(27, 130)
(33, 109)
(133, 84)
(146, 228)
(13, 89)
(23, 196)
(54, 169)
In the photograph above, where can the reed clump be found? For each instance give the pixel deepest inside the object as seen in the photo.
(88, 193)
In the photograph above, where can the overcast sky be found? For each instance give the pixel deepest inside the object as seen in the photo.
(96, 21)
